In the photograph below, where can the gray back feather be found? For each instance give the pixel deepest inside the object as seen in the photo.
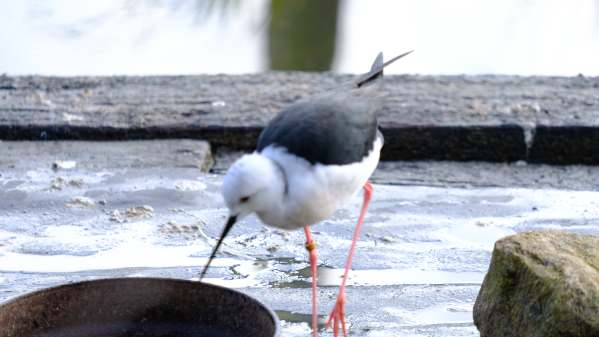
(331, 130)
(337, 128)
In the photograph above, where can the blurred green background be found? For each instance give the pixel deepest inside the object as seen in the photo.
(301, 34)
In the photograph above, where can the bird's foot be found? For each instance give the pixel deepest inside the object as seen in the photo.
(337, 317)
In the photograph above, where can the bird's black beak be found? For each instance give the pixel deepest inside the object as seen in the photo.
(228, 226)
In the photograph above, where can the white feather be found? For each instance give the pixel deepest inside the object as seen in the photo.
(288, 192)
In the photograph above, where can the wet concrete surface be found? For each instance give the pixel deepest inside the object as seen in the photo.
(424, 250)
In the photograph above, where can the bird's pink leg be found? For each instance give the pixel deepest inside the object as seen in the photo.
(337, 317)
(311, 247)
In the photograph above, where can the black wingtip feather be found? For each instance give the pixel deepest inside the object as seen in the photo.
(378, 62)
(376, 71)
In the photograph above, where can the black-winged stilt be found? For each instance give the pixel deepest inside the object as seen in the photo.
(313, 156)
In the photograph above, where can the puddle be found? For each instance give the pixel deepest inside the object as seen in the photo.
(384, 277)
(446, 313)
(298, 324)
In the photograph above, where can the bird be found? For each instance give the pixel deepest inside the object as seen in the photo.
(310, 159)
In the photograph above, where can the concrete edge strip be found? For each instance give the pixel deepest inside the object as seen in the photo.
(495, 143)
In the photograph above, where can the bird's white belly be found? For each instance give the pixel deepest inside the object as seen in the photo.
(320, 199)
(315, 192)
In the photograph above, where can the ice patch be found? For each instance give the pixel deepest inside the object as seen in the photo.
(386, 277)
(190, 185)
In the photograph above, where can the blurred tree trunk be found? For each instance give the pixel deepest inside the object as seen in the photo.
(301, 34)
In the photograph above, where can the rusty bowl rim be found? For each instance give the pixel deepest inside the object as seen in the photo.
(269, 311)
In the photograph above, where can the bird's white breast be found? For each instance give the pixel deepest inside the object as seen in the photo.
(314, 192)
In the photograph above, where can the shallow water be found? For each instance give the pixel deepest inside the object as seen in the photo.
(418, 267)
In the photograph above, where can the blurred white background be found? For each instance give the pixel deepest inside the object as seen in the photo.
(73, 37)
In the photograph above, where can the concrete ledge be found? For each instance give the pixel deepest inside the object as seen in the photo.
(474, 174)
(566, 145)
(468, 174)
(492, 118)
(467, 142)
(90, 155)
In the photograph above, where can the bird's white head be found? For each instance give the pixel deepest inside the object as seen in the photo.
(252, 184)
(249, 185)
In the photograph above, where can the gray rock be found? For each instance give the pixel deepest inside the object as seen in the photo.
(541, 284)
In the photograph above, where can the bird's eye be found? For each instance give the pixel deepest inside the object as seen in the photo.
(244, 200)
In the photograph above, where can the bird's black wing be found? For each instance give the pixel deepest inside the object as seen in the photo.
(331, 130)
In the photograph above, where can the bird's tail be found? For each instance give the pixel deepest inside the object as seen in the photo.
(376, 71)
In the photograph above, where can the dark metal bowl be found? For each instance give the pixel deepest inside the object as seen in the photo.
(140, 307)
